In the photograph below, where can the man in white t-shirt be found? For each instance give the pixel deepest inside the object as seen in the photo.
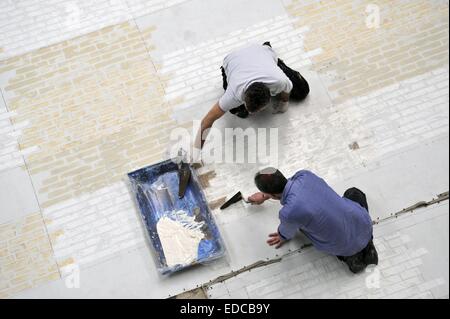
(251, 77)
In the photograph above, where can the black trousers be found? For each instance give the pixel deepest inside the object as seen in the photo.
(299, 91)
(369, 255)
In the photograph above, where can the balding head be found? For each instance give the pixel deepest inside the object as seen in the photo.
(270, 181)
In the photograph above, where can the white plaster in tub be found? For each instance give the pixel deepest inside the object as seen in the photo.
(180, 243)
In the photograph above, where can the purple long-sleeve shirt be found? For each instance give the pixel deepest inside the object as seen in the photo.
(335, 225)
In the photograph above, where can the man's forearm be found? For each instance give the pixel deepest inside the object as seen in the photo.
(281, 235)
(202, 133)
(207, 122)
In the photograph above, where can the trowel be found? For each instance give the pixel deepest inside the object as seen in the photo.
(233, 200)
(184, 174)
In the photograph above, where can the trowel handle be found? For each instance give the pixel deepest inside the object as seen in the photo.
(182, 155)
(245, 199)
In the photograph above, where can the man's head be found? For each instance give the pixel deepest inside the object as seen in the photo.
(257, 97)
(271, 181)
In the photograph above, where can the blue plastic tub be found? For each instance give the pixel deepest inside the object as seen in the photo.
(156, 190)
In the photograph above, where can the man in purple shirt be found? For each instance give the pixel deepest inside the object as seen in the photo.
(339, 226)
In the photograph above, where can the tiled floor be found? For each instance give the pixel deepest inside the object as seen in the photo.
(411, 266)
(92, 90)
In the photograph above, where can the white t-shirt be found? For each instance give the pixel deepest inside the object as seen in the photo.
(253, 63)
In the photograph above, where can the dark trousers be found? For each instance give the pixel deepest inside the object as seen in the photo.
(369, 255)
(299, 91)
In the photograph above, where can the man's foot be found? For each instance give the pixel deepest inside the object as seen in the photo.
(356, 264)
(370, 254)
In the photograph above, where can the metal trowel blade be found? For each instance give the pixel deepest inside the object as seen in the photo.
(233, 200)
(184, 174)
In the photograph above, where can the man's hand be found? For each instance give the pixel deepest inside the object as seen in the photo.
(195, 157)
(257, 198)
(275, 239)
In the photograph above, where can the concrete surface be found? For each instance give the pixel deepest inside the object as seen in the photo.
(91, 91)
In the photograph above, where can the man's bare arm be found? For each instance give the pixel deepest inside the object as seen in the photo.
(214, 114)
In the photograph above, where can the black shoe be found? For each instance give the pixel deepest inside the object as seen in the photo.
(370, 254)
(356, 264)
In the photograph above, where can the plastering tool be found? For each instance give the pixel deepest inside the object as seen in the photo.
(184, 175)
(233, 200)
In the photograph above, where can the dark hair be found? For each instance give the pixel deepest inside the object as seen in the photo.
(270, 181)
(256, 97)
